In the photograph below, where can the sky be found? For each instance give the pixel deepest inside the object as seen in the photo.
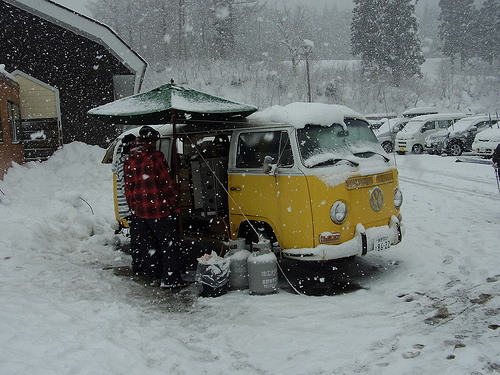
(81, 5)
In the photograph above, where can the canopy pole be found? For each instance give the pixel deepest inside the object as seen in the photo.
(175, 167)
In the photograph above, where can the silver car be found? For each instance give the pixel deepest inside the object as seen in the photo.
(458, 137)
(386, 134)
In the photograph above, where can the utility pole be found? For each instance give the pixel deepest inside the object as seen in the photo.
(307, 47)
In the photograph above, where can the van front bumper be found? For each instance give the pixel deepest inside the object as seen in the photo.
(435, 147)
(364, 241)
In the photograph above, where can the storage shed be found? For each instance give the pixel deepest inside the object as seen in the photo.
(82, 58)
(40, 128)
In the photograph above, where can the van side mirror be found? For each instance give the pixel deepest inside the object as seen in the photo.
(268, 167)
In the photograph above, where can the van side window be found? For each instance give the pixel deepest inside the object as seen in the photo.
(444, 124)
(254, 147)
(429, 125)
(164, 146)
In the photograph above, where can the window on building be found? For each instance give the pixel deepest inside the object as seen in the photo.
(1, 130)
(15, 122)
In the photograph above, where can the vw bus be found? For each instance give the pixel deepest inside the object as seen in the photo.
(310, 177)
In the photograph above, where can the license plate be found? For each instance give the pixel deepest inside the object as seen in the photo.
(401, 149)
(381, 243)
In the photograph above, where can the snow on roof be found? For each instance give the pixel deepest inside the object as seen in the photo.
(89, 28)
(301, 114)
(167, 97)
(438, 116)
(7, 74)
(419, 111)
(31, 78)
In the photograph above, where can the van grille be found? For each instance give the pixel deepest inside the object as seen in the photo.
(384, 178)
(361, 182)
(358, 182)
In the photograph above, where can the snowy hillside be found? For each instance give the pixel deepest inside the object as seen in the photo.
(430, 305)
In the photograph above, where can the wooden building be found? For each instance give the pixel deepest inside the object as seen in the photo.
(10, 149)
(82, 58)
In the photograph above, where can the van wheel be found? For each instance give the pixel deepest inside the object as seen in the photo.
(417, 149)
(263, 229)
(387, 146)
(455, 149)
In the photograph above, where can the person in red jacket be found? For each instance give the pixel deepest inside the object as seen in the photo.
(153, 199)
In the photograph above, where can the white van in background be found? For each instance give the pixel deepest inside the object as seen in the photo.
(412, 137)
(486, 141)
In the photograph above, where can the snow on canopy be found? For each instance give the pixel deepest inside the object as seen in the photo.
(300, 114)
(155, 105)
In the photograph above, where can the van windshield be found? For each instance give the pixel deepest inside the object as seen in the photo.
(329, 145)
(413, 126)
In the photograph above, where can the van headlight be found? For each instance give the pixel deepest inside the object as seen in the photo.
(398, 198)
(338, 212)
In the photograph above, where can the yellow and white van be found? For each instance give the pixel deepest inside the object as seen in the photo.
(310, 177)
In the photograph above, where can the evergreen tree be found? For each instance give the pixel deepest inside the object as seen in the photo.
(488, 31)
(384, 33)
(428, 30)
(224, 27)
(402, 49)
(366, 33)
(457, 21)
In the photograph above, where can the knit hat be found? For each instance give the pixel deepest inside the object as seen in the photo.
(149, 134)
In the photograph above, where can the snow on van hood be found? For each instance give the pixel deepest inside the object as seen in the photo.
(333, 176)
(489, 135)
(301, 114)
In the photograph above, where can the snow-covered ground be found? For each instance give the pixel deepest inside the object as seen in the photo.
(430, 305)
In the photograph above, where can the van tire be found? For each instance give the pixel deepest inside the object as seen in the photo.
(246, 231)
(417, 149)
(388, 147)
(455, 149)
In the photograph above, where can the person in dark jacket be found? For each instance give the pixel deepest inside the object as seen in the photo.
(496, 160)
(153, 198)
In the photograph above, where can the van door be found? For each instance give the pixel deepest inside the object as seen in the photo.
(278, 200)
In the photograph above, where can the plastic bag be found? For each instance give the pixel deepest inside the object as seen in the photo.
(213, 273)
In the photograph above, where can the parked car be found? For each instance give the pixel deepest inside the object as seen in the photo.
(412, 137)
(459, 136)
(386, 133)
(486, 141)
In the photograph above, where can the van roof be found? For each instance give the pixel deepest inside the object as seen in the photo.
(418, 111)
(438, 116)
(300, 114)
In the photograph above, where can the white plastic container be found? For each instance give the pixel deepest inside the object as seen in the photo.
(238, 276)
(262, 269)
